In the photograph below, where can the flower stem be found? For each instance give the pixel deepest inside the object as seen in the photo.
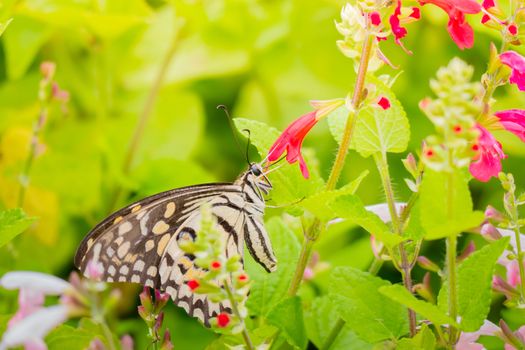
(313, 232)
(517, 234)
(406, 267)
(451, 264)
(235, 309)
(339, 162)
(144, 118)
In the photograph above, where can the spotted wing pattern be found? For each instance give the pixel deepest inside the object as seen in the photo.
(139, 243)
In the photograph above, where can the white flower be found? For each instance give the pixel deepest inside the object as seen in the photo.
(34, 281)
(31, 330)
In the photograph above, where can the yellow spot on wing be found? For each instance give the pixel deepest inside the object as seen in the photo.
(117, 220)
(136, 208)
(162, 243)
(170, 209)
(160, 227)
(149, 245)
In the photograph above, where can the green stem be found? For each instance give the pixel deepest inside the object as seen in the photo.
(235, 309)
(338, 327)
(144, 118)
(406, 267)
(451, 264)
(315, 229)
(519, 253)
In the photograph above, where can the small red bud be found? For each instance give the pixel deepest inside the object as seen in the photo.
(242, 278)
(457, 129)
(193, 284)
(375, 18)
(485, 19)
(215, 265)
(475, 147)
(223, 319)
(512, 29)
(429, 153)
(384, 103)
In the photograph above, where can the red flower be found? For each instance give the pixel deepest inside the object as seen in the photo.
(458, 28)
(488, 160)
(243, 278)
(193, 284)
(517, 63)
(291, 141)
(215, 265)
(395, 24)
(223, 319)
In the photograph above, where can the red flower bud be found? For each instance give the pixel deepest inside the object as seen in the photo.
(193, 284)
(375, 18)
(457, 129)
(512, 29)
(215, 265)
(223, 319)
(384, 103)
(243, 278)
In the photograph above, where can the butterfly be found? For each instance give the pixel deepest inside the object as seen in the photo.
(140, 243)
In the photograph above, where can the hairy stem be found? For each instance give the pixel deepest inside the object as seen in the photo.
(406, 267)
(519, 254)
(451, 264)
(235, 309)
(144, 118)
(316, 227)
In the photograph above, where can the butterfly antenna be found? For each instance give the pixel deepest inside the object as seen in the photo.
(248, 145)
(232, 127)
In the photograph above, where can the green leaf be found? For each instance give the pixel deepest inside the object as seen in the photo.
(430, 311)
(437, 218)
(288, 183)
(67, 337)
(269, 288)
(12, 223)
(376, 130)
(371, 315)
(319, 320)
(4, 25)
(287, 316)
(22, 42)
(317, 204)
(423, 340)
(474, 285)
(351, 208)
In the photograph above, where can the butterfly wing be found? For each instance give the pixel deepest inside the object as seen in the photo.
(177, 267)
(133, 239)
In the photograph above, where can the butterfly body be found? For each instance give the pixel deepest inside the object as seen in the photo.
(140, 243)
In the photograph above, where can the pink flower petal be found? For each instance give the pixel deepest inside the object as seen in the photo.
(513, 273)
(488, 162)
(517, 63)
(460, 31)
(513, 120)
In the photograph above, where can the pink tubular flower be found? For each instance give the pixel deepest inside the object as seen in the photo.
(517, 63)
(458, 28)
(291, 141)
(513, 120)
(468, 341)
(488, 161)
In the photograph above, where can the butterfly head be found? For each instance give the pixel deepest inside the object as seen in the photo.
(259, 178)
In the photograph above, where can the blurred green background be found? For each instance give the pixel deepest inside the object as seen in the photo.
(263, 59)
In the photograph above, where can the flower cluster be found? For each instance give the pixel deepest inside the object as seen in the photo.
(222, 279)
(453, 114)
(488, 163)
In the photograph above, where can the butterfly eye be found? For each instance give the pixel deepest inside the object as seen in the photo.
(256, 170)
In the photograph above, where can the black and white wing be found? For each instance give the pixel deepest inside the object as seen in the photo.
(139, 243)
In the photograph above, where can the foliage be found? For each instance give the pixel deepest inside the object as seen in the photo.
(105, 103)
